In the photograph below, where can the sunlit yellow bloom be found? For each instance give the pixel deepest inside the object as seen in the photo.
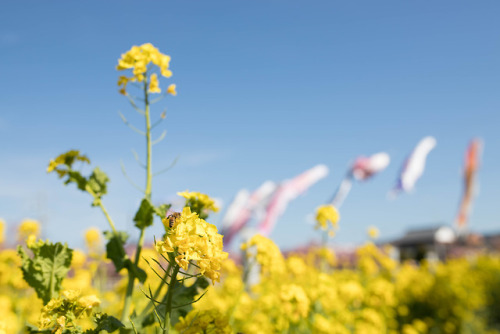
(294, 302)
(198, 202)
(171, 89)
(154, 84)
(2, 231)
(27, 228)
(204, 321)
(138, 59)
(373, 232)
(31, 240)
(78, 259)
(193, 239)
(325, 214)
(266, 253)
(93, 238)
(89, 302)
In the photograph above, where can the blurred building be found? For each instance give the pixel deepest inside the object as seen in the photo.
(428, 243)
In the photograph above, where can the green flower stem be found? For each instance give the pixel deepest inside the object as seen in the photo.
(168, 306)
(131, 279)
(103, 208)
(149, 145)
(147, 194)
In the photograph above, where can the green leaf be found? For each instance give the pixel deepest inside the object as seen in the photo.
(106, 323)
(47, 268)
(115, 251)
(161, 211)
(144, 216)
(98, 182)
(75, 177)
(115, 248)
(136, 271)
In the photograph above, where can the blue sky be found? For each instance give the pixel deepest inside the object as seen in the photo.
(267, 89)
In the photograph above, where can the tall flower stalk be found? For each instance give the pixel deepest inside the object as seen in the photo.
(143, 61)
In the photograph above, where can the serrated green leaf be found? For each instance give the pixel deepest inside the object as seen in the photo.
(98, 182)
(115, 248)
(75, 177)
(115, 251)
(47, 268)
(106, 323)
(144, 216)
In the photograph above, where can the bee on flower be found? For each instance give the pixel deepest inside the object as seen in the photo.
(191, 238)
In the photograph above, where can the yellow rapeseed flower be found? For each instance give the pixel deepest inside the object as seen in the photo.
(171, 89)
(373, 232)
(198, 202)
(204, 321)
(137, 59)
(191, 238)
(154, 85)
(267, 254)
(327, 214)
(93, 238)
(2, 231)
(27, 228)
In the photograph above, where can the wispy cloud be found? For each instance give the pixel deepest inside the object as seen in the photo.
(196, 159)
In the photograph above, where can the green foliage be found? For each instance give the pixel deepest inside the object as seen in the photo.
(97, 182)
(144, 216)
(115, 251)
(47, 268)
(105, 323)
(76, 177)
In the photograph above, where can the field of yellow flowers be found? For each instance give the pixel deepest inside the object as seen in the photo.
(187, 283)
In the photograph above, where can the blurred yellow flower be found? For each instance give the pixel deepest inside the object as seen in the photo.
(266, 253)
(154, 84)
(198, 202)
(205, 321)
(171, 89)
(2, 231)
(93, 238)
(327, 214)
(27, 228)
(373, 232)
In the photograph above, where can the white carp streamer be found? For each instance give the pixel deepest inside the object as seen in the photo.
(414, 166)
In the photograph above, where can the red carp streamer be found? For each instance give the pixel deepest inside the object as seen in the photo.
(472, 157)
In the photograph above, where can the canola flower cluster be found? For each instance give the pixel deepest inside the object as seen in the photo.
(291, 294)
(327, 214)
(62, 312)
(50, 288)
(190, 238)
(138, 58)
